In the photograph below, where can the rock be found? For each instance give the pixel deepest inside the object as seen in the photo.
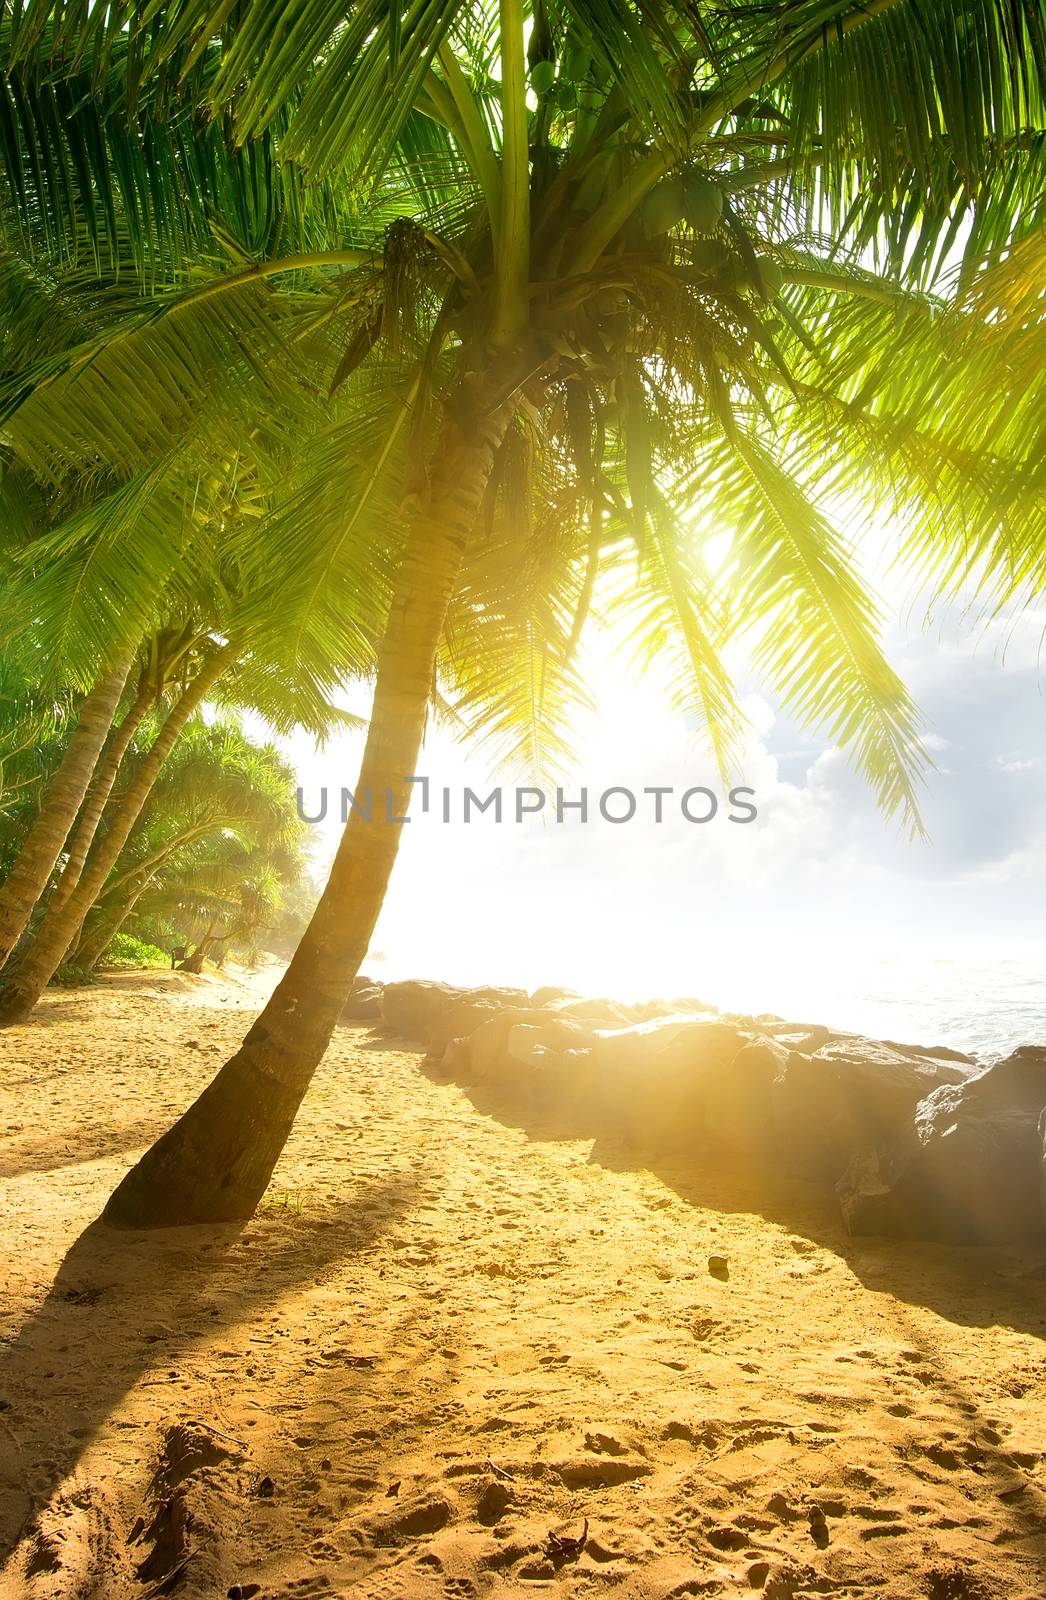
(552, 1061)
(410, 1008)
(719, 1267)
(885, 1083)
(364, 1002)
(649, 1079)
(933, 1052)
(493, 1502)
(458, 1021)
(454, 1062)
(487, 1046)
(501, 997)
(1042, 1185)
(804, 1037)
(677, 1005)
(603, 1013)
(737, 1099)
(414, 1007)
(967, 1169)
(498, 1054)
(549, 994)
(830, 1106)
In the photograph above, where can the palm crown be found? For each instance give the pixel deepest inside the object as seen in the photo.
(709, 261)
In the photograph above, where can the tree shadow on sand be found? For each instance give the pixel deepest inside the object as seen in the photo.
(147, 1299)
(975, 1286)
(982, 1287)
(90, 1142)
(72, 1004)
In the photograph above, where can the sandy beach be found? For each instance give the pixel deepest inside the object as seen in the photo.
(453, 1342)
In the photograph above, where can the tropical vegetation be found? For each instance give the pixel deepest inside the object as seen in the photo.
(215, 859)
(397, 342)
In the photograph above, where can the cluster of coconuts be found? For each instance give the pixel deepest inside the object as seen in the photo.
(688, 197)
(545, 84)
(697, 200)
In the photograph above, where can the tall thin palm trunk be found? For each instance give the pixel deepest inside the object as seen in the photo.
(97, 797)
(215, 1163)
(29, 876)
(93, 938)
(57, 932)
(98, 936)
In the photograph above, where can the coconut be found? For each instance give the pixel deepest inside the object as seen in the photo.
(702, 202)
(709, 255)
(664, 207)
(772, 278)
(563, 94)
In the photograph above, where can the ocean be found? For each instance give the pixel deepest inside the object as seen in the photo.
(985, 1004)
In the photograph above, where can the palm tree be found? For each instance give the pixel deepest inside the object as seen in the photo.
(32, 724)
(43, 845)
(164, 652)
(216, 847)
(61, 924)
(123, 528)
(145, 524)
(208, 668)
(615, 273)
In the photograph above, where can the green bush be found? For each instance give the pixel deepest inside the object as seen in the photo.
(127, 951)
(70, 976)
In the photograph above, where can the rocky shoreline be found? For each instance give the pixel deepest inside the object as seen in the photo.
(917, 1142)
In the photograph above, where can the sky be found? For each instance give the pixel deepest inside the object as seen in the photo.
(817, 901)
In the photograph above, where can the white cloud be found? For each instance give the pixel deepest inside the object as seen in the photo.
(819, 885)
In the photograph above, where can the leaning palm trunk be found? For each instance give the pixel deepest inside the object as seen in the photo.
(99, 934)
(215, 1163)
(194, 962)
(29, 877)
(97, 798)
(58, 931)
(125, 890)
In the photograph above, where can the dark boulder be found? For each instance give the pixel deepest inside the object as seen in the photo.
(682, 1005)
(806, 1037)
(460, 1019)
(737, 1098)
(411, 1007)
(969, 1166)
(849, 1094)
(364, 1002)
(934, 1052)
(414, 1007)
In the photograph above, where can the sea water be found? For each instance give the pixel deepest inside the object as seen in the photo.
(985, 1003)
